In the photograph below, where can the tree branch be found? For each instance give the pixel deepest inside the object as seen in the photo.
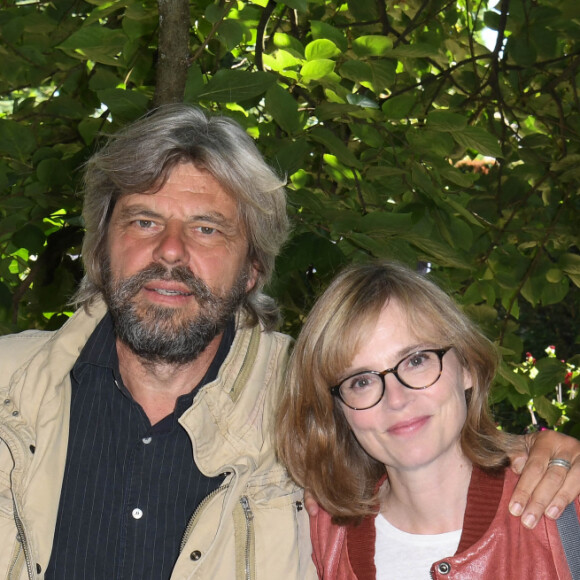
(261, 32)
(173, 59)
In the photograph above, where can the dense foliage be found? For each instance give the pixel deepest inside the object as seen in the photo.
(444, 133)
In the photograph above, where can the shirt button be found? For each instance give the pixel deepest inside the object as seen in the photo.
(137, 513)
(146, 440)
(195, 555)
(444, 568)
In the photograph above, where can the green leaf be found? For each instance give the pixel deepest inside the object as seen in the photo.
(29, 237)
(479, 140)
(554, 293)
(335, 146)
(125, 105)
(230, 33)
(386, 221)
(194, 84)
(446, 121)
(361, 101)
(215, 12)
(97, 43)
(288, 43)
(356, 70)
(570, 263)
(457, 177)
(551, 372)
(317, 69)
(398, 107)
(321, 49)
(546, 410)
(89, 128)
(522, 50)
(234, 86)
(517, 380)
(371, 45)
(283, 108)
(415, 50)
(299, 5)
(52, 172)
(383, 74)
(16, 139)
(491, 19)
(430, 142)
(291, 157)
(384, 247)
(321, 29)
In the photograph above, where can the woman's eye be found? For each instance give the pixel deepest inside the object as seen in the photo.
(361, 382)
(417, 360)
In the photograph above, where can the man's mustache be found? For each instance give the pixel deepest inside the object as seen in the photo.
(129, 287)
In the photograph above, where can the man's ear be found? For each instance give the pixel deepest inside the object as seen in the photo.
(252, 276)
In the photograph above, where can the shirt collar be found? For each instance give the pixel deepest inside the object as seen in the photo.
(100, 350)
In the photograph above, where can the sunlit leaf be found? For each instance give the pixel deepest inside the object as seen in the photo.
(371, 45)
(321, 49)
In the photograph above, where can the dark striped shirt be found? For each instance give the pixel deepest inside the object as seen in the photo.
(129, 488)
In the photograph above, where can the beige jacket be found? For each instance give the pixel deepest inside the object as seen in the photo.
(253, 526)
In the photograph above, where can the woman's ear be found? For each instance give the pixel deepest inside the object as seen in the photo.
(467, 380)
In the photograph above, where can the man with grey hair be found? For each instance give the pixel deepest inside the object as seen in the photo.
(172, 356)
(135, 442)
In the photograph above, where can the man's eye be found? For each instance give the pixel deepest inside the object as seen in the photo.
(207, 230)
(145, 224)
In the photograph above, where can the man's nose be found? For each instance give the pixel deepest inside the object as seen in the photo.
(171, 247)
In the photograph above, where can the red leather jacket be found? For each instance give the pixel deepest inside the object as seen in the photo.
(494, 545)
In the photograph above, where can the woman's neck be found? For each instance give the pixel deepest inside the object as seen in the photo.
(428, 500)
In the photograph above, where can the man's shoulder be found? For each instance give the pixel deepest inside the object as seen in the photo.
(19, 348)
(251, 335)
(27, 341)
(16, 350)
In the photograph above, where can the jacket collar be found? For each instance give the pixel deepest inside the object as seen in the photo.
(483, 498)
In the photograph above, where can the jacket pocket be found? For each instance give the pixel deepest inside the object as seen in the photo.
(279, 538)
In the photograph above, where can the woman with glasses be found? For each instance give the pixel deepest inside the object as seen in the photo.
(385, 421)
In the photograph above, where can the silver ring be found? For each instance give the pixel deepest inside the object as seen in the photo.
(560, 462)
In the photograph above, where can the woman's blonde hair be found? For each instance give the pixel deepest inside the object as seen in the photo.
(313, 438)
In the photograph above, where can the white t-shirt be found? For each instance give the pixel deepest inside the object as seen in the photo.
(403, 556)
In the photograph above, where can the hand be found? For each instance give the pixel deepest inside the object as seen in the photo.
(310, 504)
(542, 489)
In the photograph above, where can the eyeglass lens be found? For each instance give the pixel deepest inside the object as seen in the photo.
(417, 371)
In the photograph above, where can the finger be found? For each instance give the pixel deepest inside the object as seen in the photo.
(557, 489)
(310, 504)
(520, 449)
(567, 493)
(528, 484)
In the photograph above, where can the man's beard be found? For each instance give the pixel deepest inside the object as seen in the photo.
(160, 334)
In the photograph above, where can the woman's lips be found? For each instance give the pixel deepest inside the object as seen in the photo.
(408, 426)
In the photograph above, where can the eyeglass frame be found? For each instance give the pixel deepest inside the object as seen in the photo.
(440, 352)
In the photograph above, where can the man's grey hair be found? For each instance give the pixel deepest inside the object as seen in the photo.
(139, 159)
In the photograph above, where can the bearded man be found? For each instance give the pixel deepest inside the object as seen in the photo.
(135, 441)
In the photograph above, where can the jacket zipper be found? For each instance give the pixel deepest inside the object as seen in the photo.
(249, 534)
(18, 522)
(23, 541)
(194, 517)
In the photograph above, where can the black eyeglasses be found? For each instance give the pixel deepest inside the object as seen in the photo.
(417, 371)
